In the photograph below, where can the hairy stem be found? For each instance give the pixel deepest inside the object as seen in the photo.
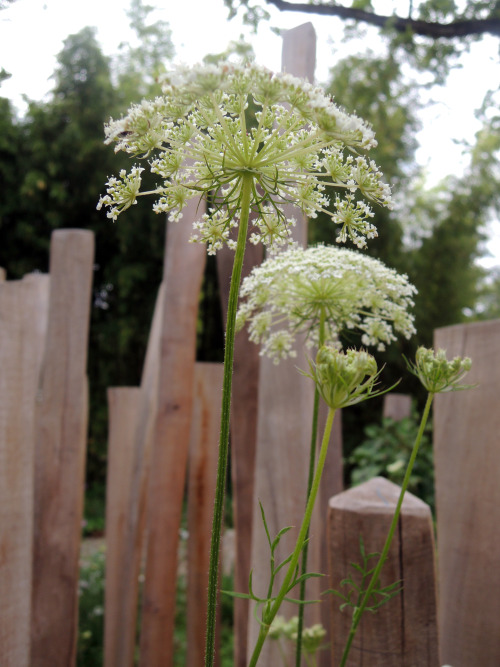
(213, 573)
(356, 618)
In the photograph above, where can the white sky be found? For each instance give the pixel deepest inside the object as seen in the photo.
(32, 33)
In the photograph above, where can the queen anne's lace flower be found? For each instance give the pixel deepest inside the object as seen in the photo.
(201, 139)
(324, 286)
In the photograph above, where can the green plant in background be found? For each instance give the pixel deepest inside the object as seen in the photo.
(312, 638)
(90, 646)
(386, 450)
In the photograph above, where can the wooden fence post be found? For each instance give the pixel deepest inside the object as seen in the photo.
(467, 462)
(403, 633)
(60, 430)
(284, 420)
(202, 474)
(397, 406)
(184, 268)
(23, 321)
(125, 553)
(243, 442)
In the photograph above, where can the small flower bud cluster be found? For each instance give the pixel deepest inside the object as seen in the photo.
(312, 637)
(344, 378)
(437, 374)
(327, 288)
(199, 141)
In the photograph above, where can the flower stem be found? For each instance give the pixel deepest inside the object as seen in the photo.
(356, 618)
(312, 460)
(269, 616)
(213, 573)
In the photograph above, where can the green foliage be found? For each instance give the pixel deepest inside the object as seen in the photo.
(91, 612)
(385, 452)
(357, 585)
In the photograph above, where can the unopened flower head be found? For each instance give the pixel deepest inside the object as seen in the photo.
(344, 378)
(437, 374)
(323, 291)
(201, 139)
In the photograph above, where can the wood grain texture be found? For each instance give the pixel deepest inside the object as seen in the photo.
(243, 442)
(397, 406)
(184, 268)
(120, 645)
(284, 418)
(403, 633)
(202, 474)
(467, 462)
(60, 428)
(23, 322)
(123, 404)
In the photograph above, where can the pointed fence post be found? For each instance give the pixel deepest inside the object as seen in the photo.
(397, 406)
(285, 411)
(184, 268)
(60, 448)
(402, 633)
(467, 462)
(23, 322)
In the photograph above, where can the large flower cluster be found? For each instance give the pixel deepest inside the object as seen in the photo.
(323, 291)
(217, 126)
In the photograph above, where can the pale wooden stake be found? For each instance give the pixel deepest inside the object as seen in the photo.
(243, 442)
(403, 633)
(397, 406)
(284, 421)
(60, 429)
(467, 462)
(3, 274)
(123, 403)
(184, 267)
(120, 628)
(202, 474)
(23, 322)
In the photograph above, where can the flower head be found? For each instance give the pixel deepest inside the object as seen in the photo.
(322, 291)
(200, 138)
(344, 378)
(437, 374)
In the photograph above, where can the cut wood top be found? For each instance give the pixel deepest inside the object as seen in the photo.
(377, 496)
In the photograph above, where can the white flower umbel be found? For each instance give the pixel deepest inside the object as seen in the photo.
(200, 138)
(323, 291)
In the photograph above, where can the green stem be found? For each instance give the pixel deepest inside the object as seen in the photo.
(213, 573)
(312, 460)
(269, 617)
(383, 556)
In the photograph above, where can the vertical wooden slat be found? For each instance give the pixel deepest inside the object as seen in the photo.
(284, 412)
(124, 403)
(184, 267)
(61, 424)
(120, 633)
(402, 633)
(203, 451)
(243, 443)
(23, 321)
(397, 406)
(467, 462)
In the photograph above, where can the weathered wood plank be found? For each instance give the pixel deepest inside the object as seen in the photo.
(123, 403)
(402, 633)
(397, 406)
(120, 644)
(467, 461)
(243, 442)
(202, 474)
(60, 428)
(23, 321)
(184, 268)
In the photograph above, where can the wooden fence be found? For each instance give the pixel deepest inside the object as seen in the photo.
(163, 439)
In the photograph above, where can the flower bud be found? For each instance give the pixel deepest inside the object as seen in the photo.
(437, 374)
